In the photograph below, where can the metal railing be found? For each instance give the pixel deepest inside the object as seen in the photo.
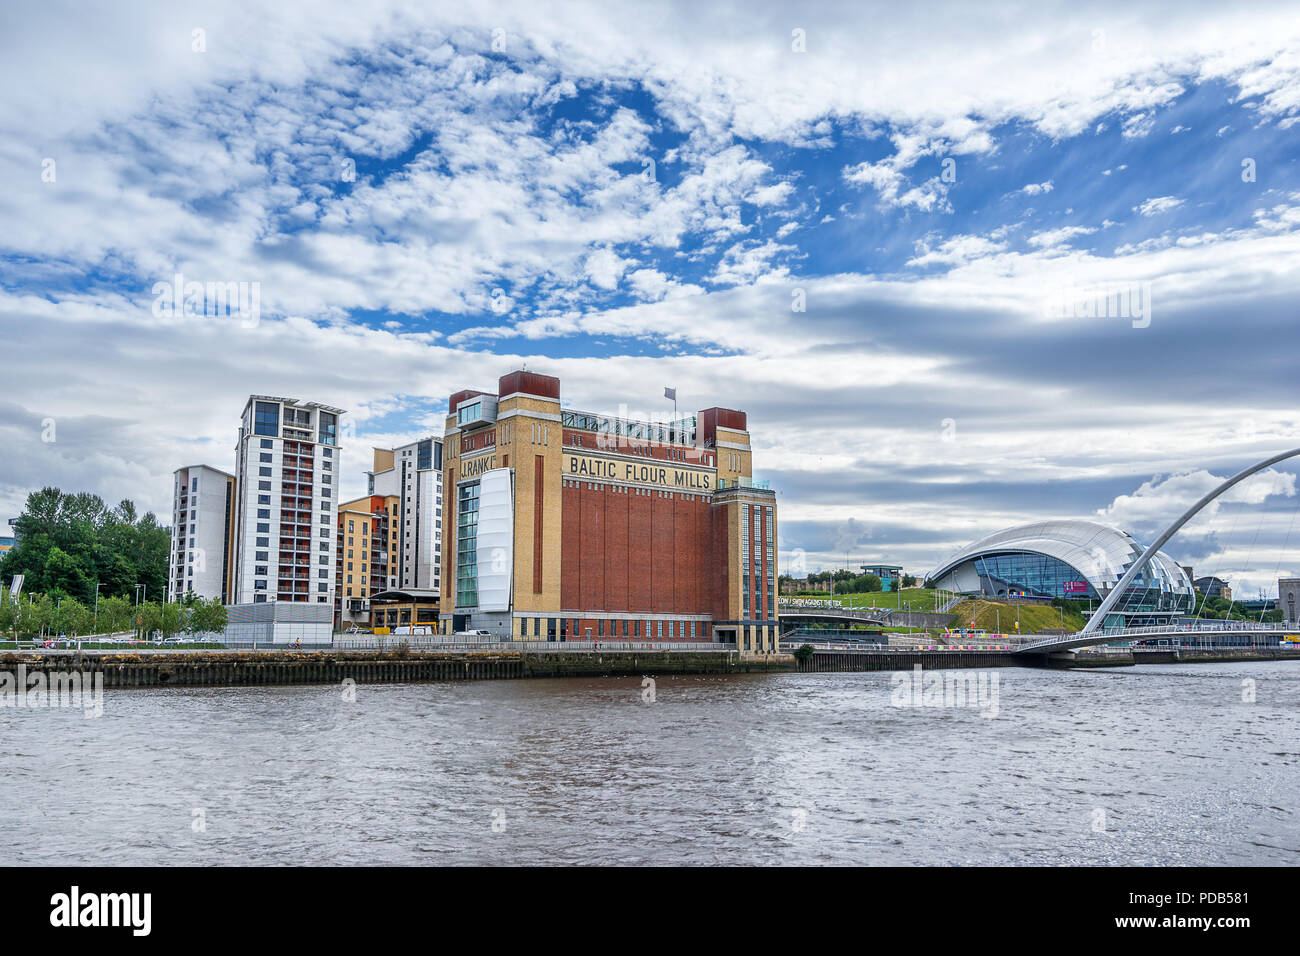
(542, 647)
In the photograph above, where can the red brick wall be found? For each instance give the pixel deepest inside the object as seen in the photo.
(641, 553)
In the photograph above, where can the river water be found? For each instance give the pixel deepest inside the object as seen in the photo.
(1159, 764)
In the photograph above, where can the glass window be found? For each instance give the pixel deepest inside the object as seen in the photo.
(328, 429)
(266, 418)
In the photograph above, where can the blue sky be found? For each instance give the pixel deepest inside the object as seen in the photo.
(634, 196)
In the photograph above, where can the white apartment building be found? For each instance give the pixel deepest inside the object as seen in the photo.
(203, 506)
(413, 474)
(287, 480)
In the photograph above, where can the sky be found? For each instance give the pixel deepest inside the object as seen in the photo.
(886, 234)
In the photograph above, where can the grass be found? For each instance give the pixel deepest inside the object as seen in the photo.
(921, 599)
(1033, 617)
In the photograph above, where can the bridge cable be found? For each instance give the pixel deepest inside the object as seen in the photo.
(1286, 542)
(1217, 564)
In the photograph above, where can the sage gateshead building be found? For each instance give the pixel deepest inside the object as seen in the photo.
(1079, 560)
(569, 525)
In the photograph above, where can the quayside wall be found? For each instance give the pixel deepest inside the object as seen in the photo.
(271, 668)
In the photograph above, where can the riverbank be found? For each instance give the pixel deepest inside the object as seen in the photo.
(271, 668)
(268, 668)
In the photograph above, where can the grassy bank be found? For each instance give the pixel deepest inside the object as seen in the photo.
(994, 617)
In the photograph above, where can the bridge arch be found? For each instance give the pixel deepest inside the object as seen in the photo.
(1094, 622)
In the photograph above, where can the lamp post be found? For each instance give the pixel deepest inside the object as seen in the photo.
(139, 622)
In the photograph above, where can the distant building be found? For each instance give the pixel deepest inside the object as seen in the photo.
(365, 549)
(1288, 590)
(889, 574)
(410, 476)
(1213, 587)
(1082, 560)
(203, 521)
(8, 540)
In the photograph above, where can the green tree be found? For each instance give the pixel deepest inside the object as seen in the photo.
(206, 616)
(114, 615)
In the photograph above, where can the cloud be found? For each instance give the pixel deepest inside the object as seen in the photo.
(1153, 207)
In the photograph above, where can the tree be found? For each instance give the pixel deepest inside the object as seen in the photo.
(206, 616)
(118, 547)
(114, 615)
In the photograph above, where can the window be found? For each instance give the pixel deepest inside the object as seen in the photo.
(328, 429)
(467, 545)
(194, 484)
(263, 542)
(267, 443)
(266, 418)
(264, 512)
(264, 472)
(260, 569)
(264, 456)
(264, 527)
(264, 486)
(263, 499)
(327, 452)
(261, 556)
(322, 573)
(259, 585)
(322, 587)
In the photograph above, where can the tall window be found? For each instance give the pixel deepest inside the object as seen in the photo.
(467, 546)
(744, 560)
(770, 548)
(327, 433)
(266, 418)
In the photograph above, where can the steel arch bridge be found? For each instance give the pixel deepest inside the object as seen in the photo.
(1093, 633)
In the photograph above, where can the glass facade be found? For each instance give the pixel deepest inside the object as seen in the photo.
(327, 431)
(1032, 575)
(266, 418)
(467, 545)
(679, 432)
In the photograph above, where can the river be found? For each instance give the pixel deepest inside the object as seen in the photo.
(1158, 764)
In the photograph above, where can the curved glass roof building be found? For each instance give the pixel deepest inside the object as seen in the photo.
(1081, 560)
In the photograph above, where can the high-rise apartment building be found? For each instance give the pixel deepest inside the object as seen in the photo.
(203, 514)
(365, 550)
(287, 479)
(412, 475)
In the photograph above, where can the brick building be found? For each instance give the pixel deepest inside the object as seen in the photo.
(566, 525)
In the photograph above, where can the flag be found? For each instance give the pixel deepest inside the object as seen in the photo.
(670, 393)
